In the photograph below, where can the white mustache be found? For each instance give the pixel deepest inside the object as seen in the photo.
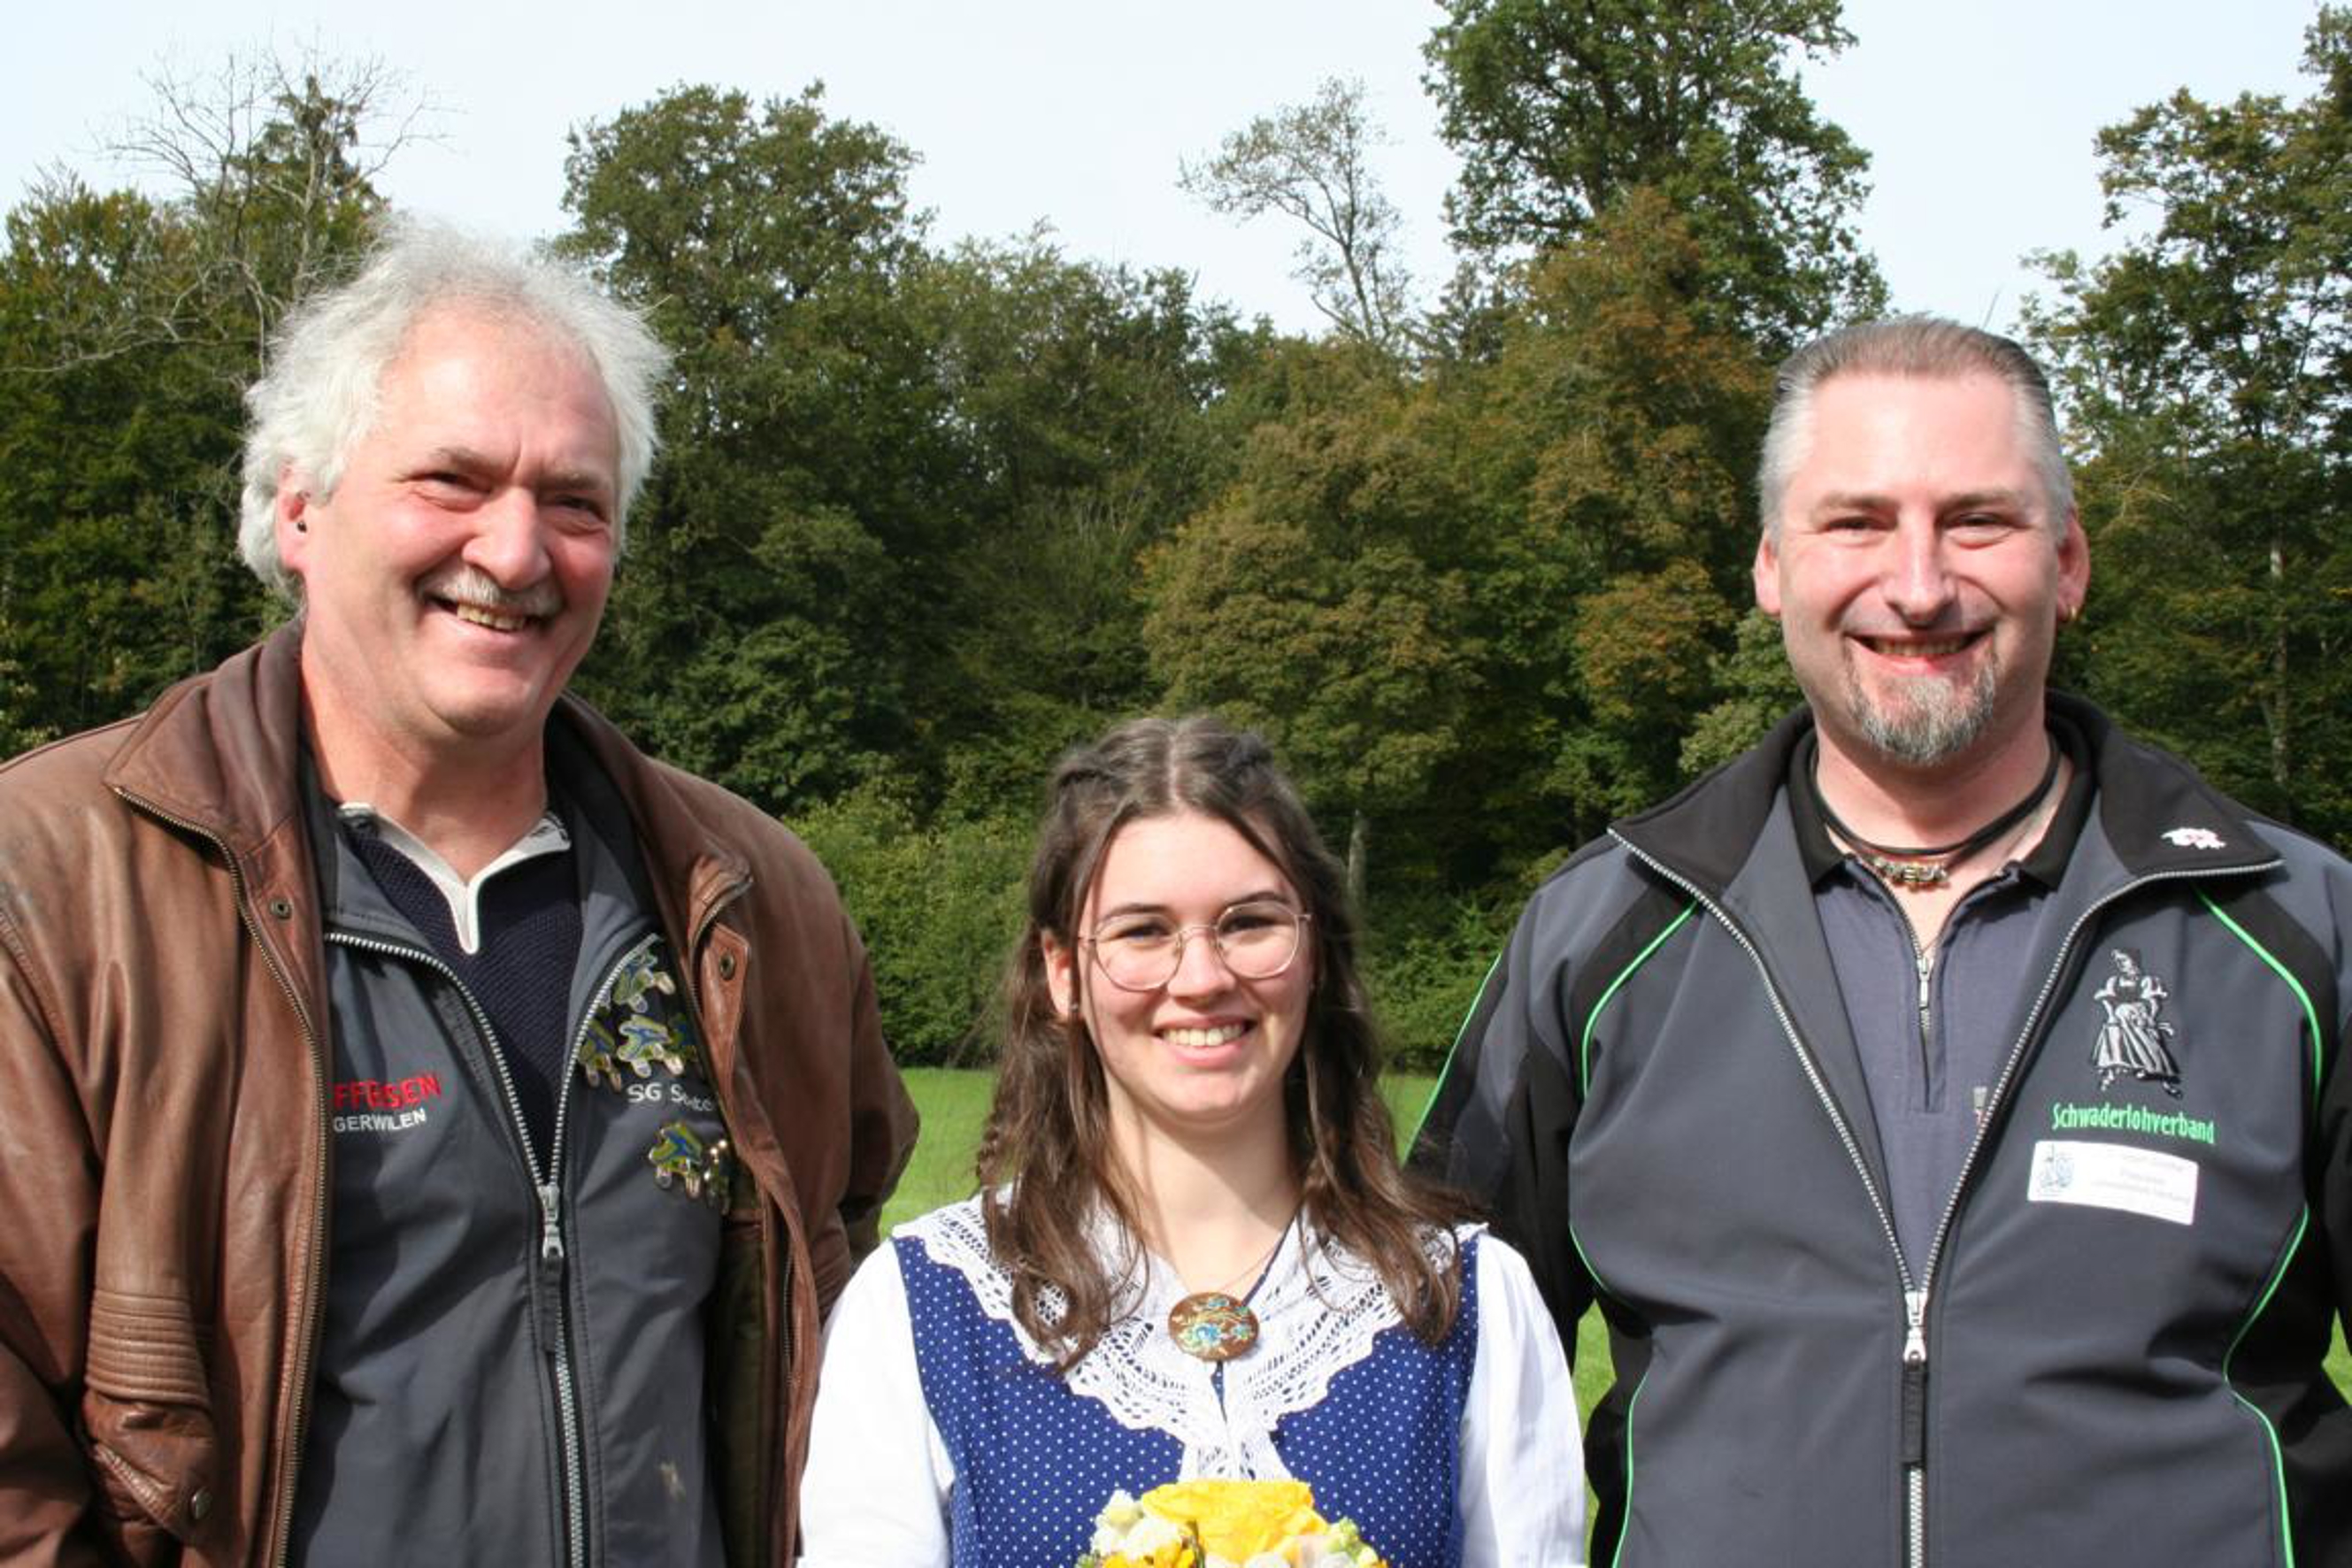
(470, 585)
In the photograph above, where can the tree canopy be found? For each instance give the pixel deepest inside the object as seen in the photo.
(930, 510)
(1561, 110)
(2207, 368)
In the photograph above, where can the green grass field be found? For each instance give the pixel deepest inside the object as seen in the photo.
(954, 1105)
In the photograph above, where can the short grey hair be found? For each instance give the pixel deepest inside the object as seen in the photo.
(318, 397)
(1928, 347)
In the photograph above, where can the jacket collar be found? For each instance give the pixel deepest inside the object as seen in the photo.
(221, 753)
(2157, 816)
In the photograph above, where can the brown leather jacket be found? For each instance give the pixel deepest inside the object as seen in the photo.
(164, 1116)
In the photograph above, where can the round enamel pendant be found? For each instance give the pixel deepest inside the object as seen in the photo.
(1212, 1326)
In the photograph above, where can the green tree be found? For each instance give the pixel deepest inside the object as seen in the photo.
(938, 903)
(2206, 365)
(904, 492)
(1320, 597)
(773, 608)
(1560, 108)
(1082, 398)
(1615, 430)
(1758, 689)
(129, 326)
(1480, 608)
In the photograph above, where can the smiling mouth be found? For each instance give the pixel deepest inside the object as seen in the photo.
(1915, 647)
(1204, 1039)
(481, 615)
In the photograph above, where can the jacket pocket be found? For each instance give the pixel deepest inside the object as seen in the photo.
(147, 1408)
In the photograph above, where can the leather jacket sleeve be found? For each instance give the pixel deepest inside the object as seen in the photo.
(48, 1192)
(882, 1117)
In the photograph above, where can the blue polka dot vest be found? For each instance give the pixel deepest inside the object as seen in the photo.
(1034, 1461)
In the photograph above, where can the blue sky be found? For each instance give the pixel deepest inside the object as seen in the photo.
(1076, 113)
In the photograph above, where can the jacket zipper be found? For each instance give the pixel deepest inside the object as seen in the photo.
(1915, 1298)
(1999, 1095)
(306, 1342)
(550, 1306)
(549, 1194)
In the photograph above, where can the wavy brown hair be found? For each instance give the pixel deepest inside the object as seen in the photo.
(1045, 1162)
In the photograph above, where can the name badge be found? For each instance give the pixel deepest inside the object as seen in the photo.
(2115, 1176)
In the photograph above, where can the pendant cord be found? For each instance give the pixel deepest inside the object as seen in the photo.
(1888, 860)
(1261, 1268)
(1214, 1325)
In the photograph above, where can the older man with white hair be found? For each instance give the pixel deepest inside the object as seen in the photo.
(1942, 1100)
(433, 1129)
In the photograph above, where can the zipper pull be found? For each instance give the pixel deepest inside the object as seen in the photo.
(1915, 1377)
(547, 1291)
(551, 1226)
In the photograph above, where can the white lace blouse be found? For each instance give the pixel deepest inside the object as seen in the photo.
(879, 1477)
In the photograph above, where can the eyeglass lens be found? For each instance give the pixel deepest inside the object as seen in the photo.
(1144, 952)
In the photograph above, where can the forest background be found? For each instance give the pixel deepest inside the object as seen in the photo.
(1475, 554)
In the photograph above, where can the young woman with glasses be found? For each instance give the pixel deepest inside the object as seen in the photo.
(1194, 1253)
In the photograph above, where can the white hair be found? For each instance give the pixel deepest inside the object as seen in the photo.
(318, 397)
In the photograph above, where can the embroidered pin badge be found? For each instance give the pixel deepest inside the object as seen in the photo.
(628, 1038)
(681, 1159)
(633, 1045)
(641, 977)
(2132, 1040)
(2194, 839)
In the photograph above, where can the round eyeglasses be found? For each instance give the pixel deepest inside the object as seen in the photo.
(1142, 951)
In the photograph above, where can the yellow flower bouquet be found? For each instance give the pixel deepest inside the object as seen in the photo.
(1225, 1524)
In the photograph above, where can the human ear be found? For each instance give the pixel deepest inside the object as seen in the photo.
(292, 518)
(1061, 974)
(1767, 575)
(2074, 569)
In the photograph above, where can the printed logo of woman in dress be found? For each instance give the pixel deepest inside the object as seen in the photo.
(2132, 1040)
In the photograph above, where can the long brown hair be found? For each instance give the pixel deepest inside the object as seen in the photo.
(1047, 1165)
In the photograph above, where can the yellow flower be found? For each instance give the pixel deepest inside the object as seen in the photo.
(1238, 1519)
(1225, 1524)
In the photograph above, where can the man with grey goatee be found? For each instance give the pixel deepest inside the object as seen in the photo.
(433, 1128)
(1941, 1101)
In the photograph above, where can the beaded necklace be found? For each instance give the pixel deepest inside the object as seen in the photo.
(1917, 869)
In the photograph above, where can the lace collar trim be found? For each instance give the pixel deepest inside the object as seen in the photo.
(1319, 1307)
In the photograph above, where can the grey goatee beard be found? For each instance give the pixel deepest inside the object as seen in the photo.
(1933, 722)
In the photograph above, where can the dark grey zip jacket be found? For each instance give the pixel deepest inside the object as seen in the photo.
(2112, 1350)
(511, 1361)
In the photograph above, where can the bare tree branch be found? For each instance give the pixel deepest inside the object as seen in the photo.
(1309, 164)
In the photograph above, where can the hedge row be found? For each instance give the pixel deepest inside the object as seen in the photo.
(940, 905)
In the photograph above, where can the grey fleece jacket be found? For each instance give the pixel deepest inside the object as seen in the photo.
(2110, 1350)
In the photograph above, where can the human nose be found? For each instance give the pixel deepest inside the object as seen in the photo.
(1917, 583)
(1199, 962)
(509, 542)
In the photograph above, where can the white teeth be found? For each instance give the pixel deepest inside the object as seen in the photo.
(1201, 1039)
(490, 618)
